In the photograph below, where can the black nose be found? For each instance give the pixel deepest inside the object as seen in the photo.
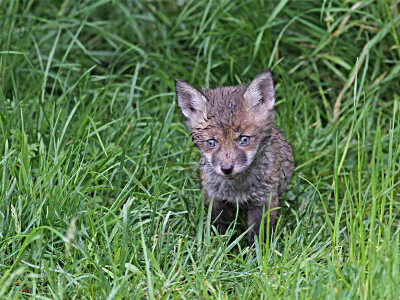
(227, 169)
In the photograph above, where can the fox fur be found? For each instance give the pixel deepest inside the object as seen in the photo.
(244, 158)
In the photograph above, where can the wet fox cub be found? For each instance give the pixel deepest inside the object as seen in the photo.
(244, 157)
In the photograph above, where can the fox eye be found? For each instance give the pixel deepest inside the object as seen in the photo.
(211, 143)
(244, 140)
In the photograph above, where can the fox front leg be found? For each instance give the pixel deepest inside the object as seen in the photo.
(221, 214)
(255, 215)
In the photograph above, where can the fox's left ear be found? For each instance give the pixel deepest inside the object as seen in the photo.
(261, 90)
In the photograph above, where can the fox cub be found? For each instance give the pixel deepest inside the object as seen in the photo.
(244, 157)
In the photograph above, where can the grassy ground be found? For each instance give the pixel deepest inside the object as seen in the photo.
(98, 190)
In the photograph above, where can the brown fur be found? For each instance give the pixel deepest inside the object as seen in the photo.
(253, 171)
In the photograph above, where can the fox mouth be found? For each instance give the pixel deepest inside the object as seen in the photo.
(230, 176)
(237, 174)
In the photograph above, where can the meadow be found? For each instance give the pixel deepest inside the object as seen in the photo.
(99, 197)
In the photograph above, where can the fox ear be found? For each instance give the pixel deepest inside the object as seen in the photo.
(191, 101)
(261, 90)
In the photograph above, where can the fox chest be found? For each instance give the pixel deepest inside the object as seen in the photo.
(250, 190)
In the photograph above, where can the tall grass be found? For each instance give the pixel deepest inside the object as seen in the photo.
(98, 191)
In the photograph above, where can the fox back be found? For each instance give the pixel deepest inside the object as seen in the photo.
(244, 157)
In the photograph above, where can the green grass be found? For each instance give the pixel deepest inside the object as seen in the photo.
(99, 195)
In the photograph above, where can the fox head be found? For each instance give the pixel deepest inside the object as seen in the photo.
(229, 125)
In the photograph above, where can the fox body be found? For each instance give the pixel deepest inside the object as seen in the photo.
(244, 157)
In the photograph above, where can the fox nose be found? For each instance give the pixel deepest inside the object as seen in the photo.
(227, 169)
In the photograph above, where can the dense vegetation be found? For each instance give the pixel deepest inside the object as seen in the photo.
(98, 190)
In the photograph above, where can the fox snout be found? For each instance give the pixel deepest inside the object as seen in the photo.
(229, 163)
(227, 169)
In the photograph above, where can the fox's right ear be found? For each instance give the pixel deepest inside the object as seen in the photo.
(191, 101)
